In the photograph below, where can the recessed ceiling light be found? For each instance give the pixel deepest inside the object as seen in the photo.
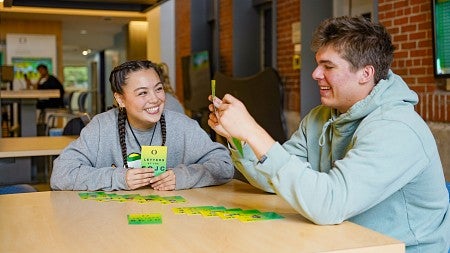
(83, 32)
(86, 52)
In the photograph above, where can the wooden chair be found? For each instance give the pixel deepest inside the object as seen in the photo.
(263, 96)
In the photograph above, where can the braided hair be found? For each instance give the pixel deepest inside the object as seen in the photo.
(118, 78)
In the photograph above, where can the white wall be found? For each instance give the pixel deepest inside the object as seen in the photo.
(161, 36)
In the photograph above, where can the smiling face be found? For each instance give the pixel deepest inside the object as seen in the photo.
(143, 97)
(341, 86)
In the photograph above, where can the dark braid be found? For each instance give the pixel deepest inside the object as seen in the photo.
(163, 129)
(121, 125)
(119, 74)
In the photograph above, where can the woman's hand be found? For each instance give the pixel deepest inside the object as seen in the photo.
(164, 182)
(138, 177)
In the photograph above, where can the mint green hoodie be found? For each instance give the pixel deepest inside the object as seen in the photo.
(376, 165)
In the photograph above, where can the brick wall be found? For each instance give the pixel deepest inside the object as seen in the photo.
(226, 37)
(410, 24)
(183, 40)
(288, 12)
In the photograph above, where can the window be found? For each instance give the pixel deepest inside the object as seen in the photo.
(75, 78)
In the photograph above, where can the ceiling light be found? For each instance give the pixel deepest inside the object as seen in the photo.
(86, 52)
(83, 32)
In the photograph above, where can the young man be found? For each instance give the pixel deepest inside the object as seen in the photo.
(364, 155)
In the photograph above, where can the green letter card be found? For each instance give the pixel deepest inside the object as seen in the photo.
(154, 157)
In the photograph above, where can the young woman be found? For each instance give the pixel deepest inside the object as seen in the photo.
(102, 157)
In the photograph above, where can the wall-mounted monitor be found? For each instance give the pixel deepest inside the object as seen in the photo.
(28, 65)
(441, 37)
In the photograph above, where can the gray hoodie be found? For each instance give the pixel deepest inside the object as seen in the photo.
(94, 160)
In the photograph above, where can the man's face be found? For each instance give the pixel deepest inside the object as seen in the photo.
(340, 86)
(42, 71)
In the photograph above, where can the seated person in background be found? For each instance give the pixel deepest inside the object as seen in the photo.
(46, 82)
(172, 103)
(102, 157)
(364, 155)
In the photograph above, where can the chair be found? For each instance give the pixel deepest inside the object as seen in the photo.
(17, 188)
(57, 119)
(82, 101)
(263, 97)
(69, 115)
(448, 188)
(74, 126)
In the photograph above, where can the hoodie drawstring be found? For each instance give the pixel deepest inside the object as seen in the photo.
(324, 130)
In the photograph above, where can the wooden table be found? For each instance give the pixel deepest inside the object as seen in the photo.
(63, 222)
(33, 146)
(16, 153)
(29, 94)
(27, 100)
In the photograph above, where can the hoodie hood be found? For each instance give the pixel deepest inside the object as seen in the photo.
(388, 92)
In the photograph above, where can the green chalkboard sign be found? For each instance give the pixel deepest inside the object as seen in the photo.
(441, 37)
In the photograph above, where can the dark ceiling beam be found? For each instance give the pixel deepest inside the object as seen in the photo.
(90, 5)
(7, 3)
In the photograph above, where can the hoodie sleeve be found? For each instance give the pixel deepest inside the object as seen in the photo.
(349, 187)
(76, 167)
(248, 164)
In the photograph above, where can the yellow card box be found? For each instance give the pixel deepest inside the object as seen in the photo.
(154, 157)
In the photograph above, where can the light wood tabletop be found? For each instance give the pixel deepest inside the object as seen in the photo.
(27, 99)
(29, 94)
(60, 221)
(33, 146)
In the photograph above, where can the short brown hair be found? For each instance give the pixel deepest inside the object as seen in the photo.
(357, 40)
